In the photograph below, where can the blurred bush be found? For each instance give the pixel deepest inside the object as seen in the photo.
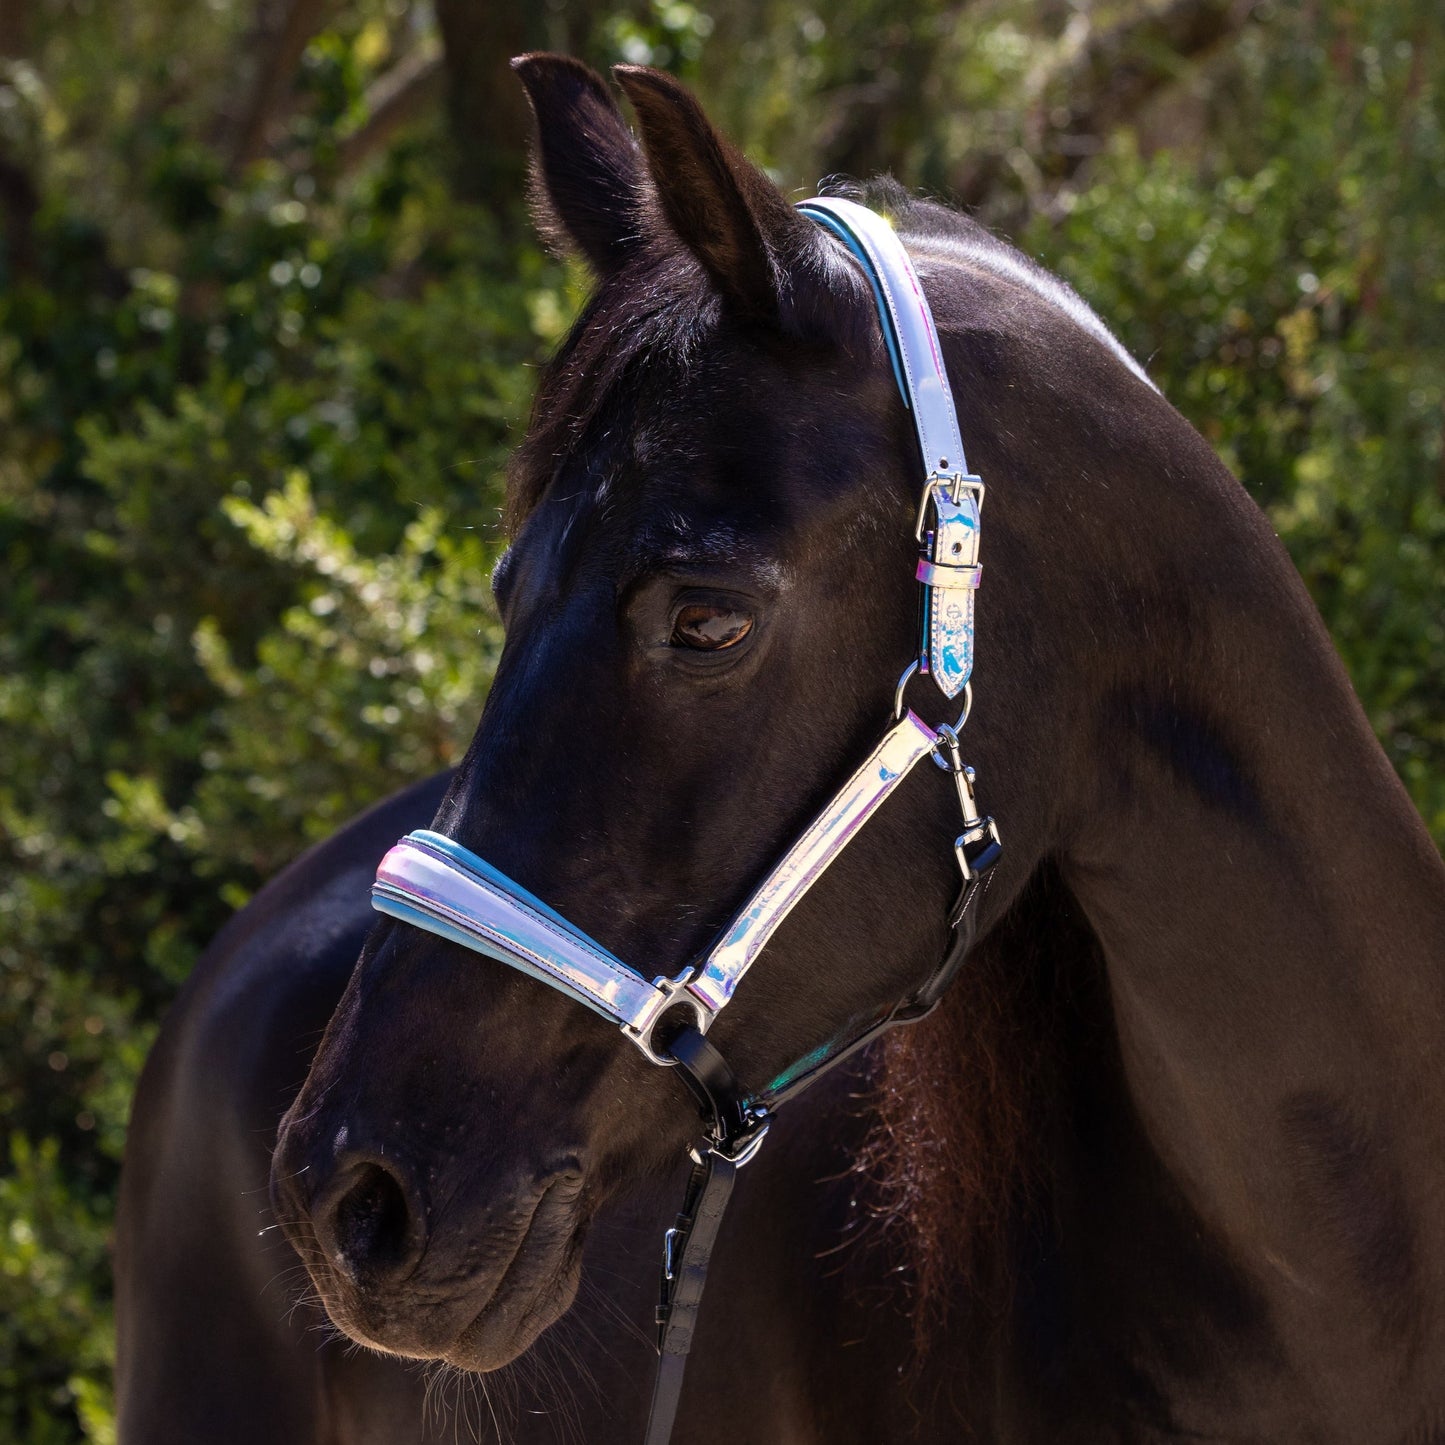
(1287, 287)
(249, 505)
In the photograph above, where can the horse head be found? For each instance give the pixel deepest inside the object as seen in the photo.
(708, 597)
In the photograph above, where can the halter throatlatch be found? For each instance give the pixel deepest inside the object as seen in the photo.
(433, 882)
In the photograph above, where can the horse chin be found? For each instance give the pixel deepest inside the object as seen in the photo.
(505, 1330)
(495, 1337)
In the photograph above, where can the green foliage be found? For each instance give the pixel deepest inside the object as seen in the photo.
(249, 504)
(1295, 312)
(372, 680)
(253, 420)
(54, 1337)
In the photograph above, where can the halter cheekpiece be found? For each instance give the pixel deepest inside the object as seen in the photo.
(434, 883)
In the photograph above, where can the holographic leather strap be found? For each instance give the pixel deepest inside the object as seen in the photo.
(436, 884)
(904, 744)
(950, 568)
(908, 328)
(433, 882)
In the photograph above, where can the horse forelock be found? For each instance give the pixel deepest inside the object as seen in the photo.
(643, 325)
(647, 324)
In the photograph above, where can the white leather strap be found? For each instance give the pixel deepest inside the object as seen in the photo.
(903, 745)
(946, 647)
(434, 883)
(431, 881)
(904, 310)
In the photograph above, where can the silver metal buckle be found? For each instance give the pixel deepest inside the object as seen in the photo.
(672, 991)
(956, 484)
(747, 1147)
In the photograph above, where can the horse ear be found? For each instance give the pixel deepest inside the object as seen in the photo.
(587, 171)
(758, 250)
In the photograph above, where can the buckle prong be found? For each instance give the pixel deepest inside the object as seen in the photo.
(956, 484)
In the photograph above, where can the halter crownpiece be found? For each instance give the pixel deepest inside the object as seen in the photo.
(436, 884)
(948, 568)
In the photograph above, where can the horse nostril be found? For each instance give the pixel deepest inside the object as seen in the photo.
(371, 1231)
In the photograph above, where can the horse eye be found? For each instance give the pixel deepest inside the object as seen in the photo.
(709, 627)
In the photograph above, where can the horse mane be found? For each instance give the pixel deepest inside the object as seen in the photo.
(654, 312)
(959, 1106)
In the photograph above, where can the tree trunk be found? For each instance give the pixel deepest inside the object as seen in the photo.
(279, 38)
(880, 113)
(487, 115)
(1122, 67)
(14, 28)
(1104, 84)
(19, 198)
(19, 204)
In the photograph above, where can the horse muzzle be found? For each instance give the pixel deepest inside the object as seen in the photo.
(472, 1278)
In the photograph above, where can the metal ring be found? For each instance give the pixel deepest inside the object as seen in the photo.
(908, 672)
(954, 729)
(902, 686)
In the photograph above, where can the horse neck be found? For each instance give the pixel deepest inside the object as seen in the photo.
(1268, 904)
(1241, 839)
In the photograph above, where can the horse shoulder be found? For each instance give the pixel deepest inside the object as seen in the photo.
(205, 1289)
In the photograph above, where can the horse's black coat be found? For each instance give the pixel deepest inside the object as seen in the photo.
(1168, 1162)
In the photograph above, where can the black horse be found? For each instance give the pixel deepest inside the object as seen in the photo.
(1170, 1160)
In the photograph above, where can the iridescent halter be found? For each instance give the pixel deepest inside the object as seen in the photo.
(434, 883)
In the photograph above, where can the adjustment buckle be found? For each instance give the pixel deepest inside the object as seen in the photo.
(949, 571)
(956, 485)
(741, 1148)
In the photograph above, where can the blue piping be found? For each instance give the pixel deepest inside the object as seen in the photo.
(831, 223)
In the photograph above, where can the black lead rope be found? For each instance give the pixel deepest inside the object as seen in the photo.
(735, 1130)
(736, 1126)
(684, 1274)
